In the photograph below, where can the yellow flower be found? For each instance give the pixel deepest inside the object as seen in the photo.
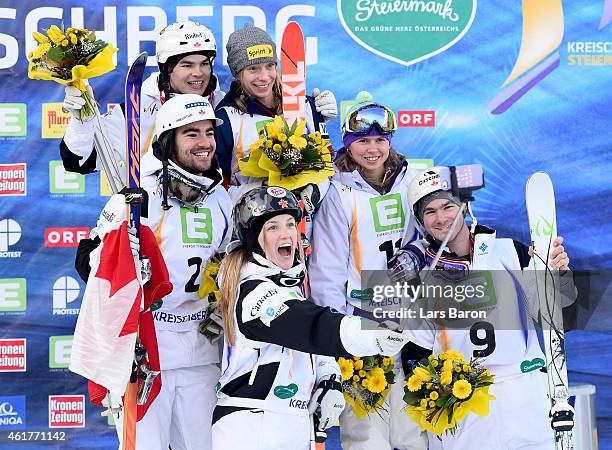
(432, 403)
(462, 389)
(356, 378)
(423, 374)
(467, 368)
(446, 378)
(299, 130)
(256, 145)
(277, 148)
(429, 385)
(356, 358)
(431, 357)
(64, 42)
(41, 50)
(297, 141)
(55, 34)
(269, 143)
(359, 364)
(423, 403)
(281, 137)
(434, 395)
(346, 368)
(414, 383)
(285, 144)
(362, 373)
(73, 38)
(448, 365)
(364, 383)
(376, 380)
(40, 38)
(454, 355)
(435, 363)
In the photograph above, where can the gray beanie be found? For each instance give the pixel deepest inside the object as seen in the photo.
(422, 204)
(248, 46)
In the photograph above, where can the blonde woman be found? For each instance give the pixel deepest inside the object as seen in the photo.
(274, 339)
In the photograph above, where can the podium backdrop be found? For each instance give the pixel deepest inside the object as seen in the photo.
(516, 86)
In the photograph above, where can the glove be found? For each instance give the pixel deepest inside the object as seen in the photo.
(405, 265)
(114, 212)
(311, 196)
(74, 102)
(328, 402)
(134, 242)
(212, 324)
(359, 341)
(325, 104)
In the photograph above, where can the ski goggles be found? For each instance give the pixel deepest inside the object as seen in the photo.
(362, 120)
(187, 191)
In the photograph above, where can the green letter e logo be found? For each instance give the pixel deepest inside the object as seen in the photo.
(196, 226)
(388, 212)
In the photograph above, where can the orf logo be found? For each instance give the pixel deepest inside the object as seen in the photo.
(65, 237)
(66, 411)
(12, 412)
(416, 118)
(424, 28)
(388, 212)
(65, 290)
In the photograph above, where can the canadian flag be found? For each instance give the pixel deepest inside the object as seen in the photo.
(113, 305)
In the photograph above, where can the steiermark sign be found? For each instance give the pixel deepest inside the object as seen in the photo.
(406, 31)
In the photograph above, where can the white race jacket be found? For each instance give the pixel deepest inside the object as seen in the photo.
(355, 229)
(274, 363)
(505, 340)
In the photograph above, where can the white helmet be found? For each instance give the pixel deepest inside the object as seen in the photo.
(425, 183)
(183, 109)
(184, 37)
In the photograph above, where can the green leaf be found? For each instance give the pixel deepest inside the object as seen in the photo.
(284, 165)
(390, 377)
(442, 400)
(55, 54)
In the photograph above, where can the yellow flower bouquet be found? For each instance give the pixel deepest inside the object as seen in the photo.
(209, 290)
(366, 382)
(442, 390)
(288, 157)
(69, 56)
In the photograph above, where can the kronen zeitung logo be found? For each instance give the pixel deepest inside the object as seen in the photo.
(406, 31)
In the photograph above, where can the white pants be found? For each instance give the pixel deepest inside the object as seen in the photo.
(181, 415)
(518, 419)
(261, 430)
(383, 430)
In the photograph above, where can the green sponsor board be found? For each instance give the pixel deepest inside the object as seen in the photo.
(406, 31)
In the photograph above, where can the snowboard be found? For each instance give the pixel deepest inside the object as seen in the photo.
(540, 199)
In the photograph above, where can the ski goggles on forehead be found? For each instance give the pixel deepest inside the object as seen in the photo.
(362, 120)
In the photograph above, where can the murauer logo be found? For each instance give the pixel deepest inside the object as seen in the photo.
(12, 355)
(66, 411)
(54, 121)
(423, 27)
(12, 412)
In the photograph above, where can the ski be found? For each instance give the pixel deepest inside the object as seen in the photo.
(293, 73)
(540, 199)
(134, 198)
